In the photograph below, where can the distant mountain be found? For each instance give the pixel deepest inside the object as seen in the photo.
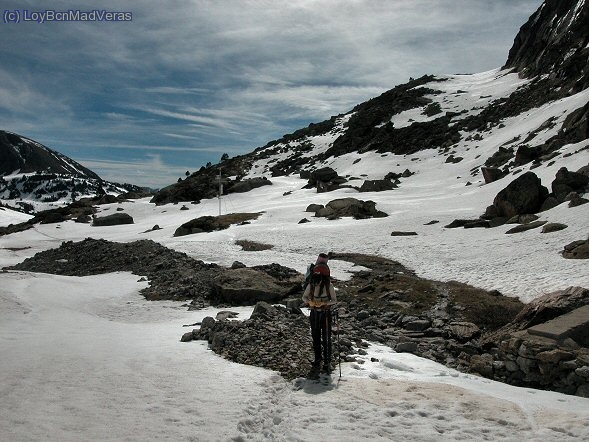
(547, 67)
(21, 155)
(34, 177)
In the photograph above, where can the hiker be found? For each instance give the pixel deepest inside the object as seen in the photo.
(319, 296)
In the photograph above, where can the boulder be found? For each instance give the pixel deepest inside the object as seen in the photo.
(377, 186)
(550, 306)
(245, 286)
(264, 310)
(525, 194)
(576, 200)
(314, 207)
(464, 331)
(249, 184)
(553, 227)
(213, 223)
(113, 220)
(491, 174)
(567, 182)
(577, 250)
(524, 227)
(353, 207)
(325, 180)
(399, 233)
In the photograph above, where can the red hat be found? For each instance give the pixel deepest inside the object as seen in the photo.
(322, 259)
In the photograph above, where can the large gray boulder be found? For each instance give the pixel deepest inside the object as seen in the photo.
(113, 220)
(577, 250)
(246, 287)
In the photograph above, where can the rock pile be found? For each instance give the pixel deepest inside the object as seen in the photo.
(274, 338)
(172, 275)
(545, 346)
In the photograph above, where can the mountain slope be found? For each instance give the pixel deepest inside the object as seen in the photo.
(34, 177)
(22, 155)
(520, 117)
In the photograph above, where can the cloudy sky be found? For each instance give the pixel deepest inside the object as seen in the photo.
(185, 81)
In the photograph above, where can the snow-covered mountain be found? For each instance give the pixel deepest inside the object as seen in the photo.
(89, 358)
(34, 177)
(532, 113)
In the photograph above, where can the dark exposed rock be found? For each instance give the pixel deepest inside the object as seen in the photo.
(544, 346)
(213, 223)
(172, 275)
(523, 195)
(325, 179)
(577, 250)
(113, 220)
(314, 207)
(468, 223)
(491, 174)
(547, 307)
(377, 186)
(353, 207)
(567, 182)
(525, 227)
(246, 287)
(577, 200)
(249, 184)
(399, 233)
(553, 227)
(522, 219)
(556, 28)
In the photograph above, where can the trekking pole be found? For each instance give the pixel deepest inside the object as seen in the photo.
(339, 352)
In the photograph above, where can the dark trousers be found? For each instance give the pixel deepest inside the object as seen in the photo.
(321, 334)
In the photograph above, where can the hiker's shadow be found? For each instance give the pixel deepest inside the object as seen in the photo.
(313, 386)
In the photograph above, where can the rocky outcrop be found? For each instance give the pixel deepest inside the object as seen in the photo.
(213, 223)
(113, 220)
(353, 207)
(273, 338)
(566, 182)
(545, 346)
(577, 250)
(558, 27)
(205, 182)
(325, 179)
(246, 286)
(525, 194)
(172, 275)
(249, 184)
(377, 186)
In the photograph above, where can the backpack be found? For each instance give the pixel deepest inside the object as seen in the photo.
(308, 275)
(317, 272)
(321, 268)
